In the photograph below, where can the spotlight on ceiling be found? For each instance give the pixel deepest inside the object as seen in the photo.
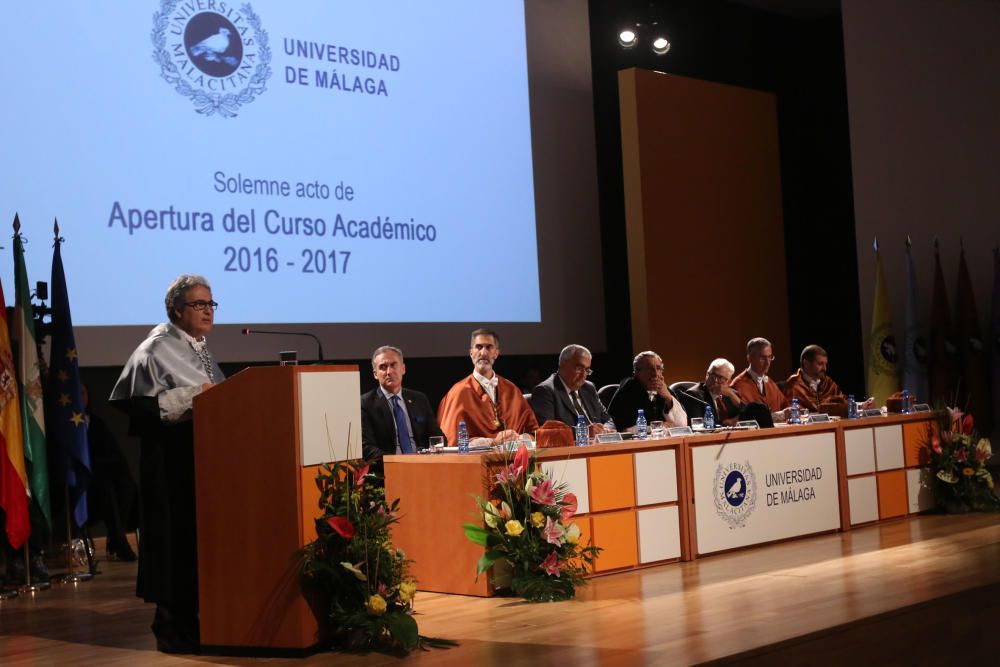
(628, 38)
(661, 45)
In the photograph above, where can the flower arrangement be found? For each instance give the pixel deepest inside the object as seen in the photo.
(528, 524)
(958, 458)
(354, 567)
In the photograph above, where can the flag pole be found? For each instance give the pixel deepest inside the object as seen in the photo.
(29, 588)
(72, 576)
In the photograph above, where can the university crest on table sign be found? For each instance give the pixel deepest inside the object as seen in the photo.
(212, 52)
(735, 493)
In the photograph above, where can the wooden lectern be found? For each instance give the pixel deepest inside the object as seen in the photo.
(260, 437)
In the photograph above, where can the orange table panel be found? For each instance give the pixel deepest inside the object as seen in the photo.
(915, 443)
(586, 533)
(616, 534)
(892, 499)
(436, 497)
(310, 502)
(612, 482)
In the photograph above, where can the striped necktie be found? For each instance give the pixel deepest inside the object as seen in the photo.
(578, 405)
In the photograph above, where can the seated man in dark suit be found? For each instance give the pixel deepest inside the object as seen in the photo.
(394, 420)
(714, 391)
(567, 394)
(645, 390)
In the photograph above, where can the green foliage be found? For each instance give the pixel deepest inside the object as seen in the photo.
(528, 523)
(353, 565)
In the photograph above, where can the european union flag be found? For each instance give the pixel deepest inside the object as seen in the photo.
(65, 415)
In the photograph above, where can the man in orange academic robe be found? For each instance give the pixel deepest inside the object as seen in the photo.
(490, 406)
(815, 389)
(753, 385)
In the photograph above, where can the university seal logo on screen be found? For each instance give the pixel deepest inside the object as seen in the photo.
(213, 52)
(735, 493)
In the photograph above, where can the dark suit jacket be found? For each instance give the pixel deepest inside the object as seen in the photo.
(695, 398)
(378, 427)
(630, 397)
(549, 400)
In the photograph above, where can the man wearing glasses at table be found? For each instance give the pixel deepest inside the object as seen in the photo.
(715, 392)
(567, 395)
(754, 386)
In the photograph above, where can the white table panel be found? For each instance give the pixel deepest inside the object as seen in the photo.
(752, 491)
(859, 445)
(659, 534)
(863, 495)
(920, 489)
(889, 447)
(655, 477)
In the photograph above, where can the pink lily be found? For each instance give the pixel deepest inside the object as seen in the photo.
(507, 474)
(544, 493)
(551, 564)
(553, 532)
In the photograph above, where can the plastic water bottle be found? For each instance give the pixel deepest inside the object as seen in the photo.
(582, 432)
(793, 415)
(852, 407)
(640, 425)
(463, 438)
(709, 421)
(906, 402)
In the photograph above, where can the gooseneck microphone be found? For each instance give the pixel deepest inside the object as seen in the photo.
(693, 397)
(319, 345)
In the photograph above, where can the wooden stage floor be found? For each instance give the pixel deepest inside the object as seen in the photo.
(917, 591)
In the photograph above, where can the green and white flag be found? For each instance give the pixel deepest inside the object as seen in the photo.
(29, 377)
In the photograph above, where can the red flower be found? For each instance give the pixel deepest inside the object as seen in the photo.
(961, 455)
(521, 460)
(936, 444)
(568, 507)
(967, 425)
(551, 564)
(342, 525)
(359, 475)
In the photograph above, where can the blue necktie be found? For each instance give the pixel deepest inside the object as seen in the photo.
(402, 432)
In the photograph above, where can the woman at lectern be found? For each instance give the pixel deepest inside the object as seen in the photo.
(157, 388)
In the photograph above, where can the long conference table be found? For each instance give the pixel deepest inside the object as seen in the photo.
(650, 502)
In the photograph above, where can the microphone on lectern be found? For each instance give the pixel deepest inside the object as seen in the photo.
(319, 345)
